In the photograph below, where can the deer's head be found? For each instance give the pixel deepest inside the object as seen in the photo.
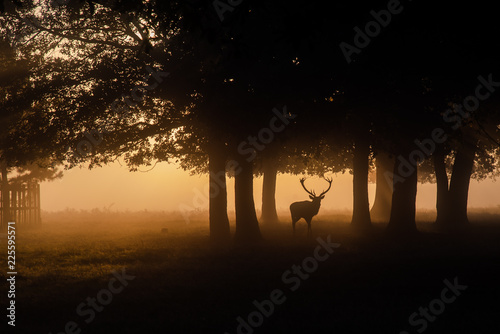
(312, 194)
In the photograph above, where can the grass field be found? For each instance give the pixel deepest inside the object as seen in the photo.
(370, 284)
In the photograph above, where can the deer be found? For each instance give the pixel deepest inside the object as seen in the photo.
(307, 209)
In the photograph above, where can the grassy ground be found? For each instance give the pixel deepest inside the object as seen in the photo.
(370, 284)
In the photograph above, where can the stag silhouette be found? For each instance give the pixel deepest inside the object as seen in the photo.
(307, 209)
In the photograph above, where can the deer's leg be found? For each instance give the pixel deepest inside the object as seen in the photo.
(309, 230)
(294, 221)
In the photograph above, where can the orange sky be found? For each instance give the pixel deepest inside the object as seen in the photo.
(168, 188)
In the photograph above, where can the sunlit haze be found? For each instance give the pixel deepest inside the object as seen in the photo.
(310, 126)
(166, 187)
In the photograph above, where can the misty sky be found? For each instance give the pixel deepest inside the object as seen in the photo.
(168, 188)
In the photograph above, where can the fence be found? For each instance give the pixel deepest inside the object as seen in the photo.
(24, 204)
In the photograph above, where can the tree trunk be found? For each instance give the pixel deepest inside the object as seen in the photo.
(381, 209)
(451, 203)
(361, 205)
(5, 197)
(247, 225)
(459, 184)
(402, 220)
(269, 214)
(442, 206)
(219, 222)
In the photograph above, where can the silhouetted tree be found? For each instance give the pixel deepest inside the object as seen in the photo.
(26, 139)
(381, 209)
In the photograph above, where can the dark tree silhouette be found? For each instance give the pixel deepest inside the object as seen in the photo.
(384, 166)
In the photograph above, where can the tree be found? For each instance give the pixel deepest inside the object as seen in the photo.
(25, 142)
(381, 209)
(95, 75)
(270, 171)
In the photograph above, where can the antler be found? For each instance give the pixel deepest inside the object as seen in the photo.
(303, 186)
(329, 186)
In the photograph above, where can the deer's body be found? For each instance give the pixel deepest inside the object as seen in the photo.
(307, 209)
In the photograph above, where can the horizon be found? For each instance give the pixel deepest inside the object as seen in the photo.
(142, 190)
